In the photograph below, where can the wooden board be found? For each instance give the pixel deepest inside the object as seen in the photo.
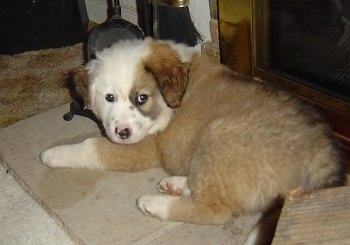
(320, 217)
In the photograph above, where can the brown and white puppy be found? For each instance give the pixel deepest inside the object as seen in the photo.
(230, 145)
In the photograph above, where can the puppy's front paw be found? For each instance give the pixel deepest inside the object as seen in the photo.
(52, 157)
(155, 205)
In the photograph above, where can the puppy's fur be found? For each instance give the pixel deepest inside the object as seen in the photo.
(231, 146)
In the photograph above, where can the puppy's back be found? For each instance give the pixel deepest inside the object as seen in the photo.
(261, 142)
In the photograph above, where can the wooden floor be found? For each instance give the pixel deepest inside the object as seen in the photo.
(321, 217)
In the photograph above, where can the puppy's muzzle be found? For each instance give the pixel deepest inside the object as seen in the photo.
(123, 132)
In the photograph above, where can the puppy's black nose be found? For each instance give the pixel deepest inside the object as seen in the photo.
(123, 133)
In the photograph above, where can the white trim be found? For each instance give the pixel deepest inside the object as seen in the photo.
(129, 13)
(200, 14)
(97, 10)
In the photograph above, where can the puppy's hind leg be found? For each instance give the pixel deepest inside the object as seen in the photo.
(174, 185)
(183, 209)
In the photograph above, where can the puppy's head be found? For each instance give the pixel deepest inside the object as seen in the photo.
(133, 87)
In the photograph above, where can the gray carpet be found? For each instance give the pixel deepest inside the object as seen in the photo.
(23, 220)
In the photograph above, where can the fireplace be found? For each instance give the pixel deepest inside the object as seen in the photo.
(311, 47)
(33, 25)
(302, 45)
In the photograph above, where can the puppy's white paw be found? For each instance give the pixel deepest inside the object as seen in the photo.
(52, 157)
(155, 205)
(174, 185)
(81, 155)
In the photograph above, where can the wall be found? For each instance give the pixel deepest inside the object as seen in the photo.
(199, 9)
(97, 10)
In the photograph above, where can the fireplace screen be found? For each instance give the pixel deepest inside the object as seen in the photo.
(301, 44)
(309, 42)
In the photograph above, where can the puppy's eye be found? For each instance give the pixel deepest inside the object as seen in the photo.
(109, 97)
(141, 99)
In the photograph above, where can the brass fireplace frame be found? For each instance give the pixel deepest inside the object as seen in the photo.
(243, 39)
(243, 27)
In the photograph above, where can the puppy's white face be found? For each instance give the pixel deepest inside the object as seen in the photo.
(134, 86)
(124, 96)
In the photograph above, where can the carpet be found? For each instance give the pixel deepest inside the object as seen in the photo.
(35, 81)
(23, 220)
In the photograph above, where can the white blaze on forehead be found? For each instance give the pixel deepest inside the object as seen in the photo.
(116, 66)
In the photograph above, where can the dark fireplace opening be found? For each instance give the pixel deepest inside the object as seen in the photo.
(38, 24)
(309, 43)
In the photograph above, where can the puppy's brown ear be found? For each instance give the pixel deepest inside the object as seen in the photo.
(170, 72)
(80, 79)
